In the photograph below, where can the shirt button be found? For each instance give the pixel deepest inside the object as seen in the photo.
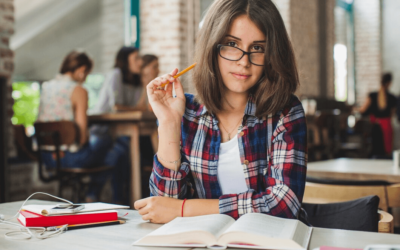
(241, 133)
(246, 162)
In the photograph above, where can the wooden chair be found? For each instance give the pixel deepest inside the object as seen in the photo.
(55, 137)
(23, 142)
(323, 193)
(386, 223)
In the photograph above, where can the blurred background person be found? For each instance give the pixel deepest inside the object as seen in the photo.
(121, 91)
(150, 70)
(381, 106)
(64, 99)
(122, 88)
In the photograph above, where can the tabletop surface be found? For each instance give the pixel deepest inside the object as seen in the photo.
(123, 116)
(122, 236)
(361, 169)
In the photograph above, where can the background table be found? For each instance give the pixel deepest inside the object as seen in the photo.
(132, 124)
(355, 169)
(122, 236)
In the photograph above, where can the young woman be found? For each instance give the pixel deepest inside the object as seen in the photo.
(238, 146)
(381, 106)
(64, 98)
(122, 88)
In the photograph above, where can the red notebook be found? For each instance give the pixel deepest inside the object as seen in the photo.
(30, 219)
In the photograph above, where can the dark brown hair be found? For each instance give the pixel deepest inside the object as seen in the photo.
(75, 60)
(147, 59)
(386, 79)
(121, 62)
(279, 79)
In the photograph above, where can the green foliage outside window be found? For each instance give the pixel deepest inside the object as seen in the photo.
(26, 97)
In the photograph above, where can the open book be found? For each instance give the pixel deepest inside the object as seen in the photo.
(255, 230)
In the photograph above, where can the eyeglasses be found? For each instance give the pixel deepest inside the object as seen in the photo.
(235, 54)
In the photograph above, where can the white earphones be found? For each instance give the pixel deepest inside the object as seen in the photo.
(26, 233)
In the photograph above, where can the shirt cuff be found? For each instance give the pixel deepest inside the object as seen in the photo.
(168, 174)
(236, 205)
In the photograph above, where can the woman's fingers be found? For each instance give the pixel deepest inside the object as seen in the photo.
(147, 217)
(179, 89)
(144, 210)
(140, 204)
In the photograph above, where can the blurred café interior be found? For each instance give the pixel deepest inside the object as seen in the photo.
(347, 53)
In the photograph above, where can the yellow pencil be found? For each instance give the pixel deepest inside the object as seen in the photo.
(179, 74)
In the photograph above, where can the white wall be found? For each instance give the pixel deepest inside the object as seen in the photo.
(391, 41)
(39, 57)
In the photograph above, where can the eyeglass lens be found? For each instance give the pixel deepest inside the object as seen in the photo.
(234, 54)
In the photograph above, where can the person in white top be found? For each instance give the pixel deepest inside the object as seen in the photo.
(64, 99)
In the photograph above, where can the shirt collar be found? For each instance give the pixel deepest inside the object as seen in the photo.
(249, 110)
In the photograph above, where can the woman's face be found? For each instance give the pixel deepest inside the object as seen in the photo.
(135, 62)
(151, 70)
(240, 76)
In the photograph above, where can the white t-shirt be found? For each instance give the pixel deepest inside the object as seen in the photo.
(230, 170)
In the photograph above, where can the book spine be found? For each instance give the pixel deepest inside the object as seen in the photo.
(50, 221)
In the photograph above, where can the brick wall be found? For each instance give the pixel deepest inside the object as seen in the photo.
(161, 31)
(284, 9)
(112, 31)
(302, 22)
(6, 60)
(304, 35)
(330, 41)
(367, 21)
(168, 30)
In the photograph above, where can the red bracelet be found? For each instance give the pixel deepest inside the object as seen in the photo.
(183, 203)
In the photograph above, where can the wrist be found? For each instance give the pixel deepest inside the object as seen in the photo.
(182, 208)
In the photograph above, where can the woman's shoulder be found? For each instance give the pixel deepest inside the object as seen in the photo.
(293, 107)
(192, 106)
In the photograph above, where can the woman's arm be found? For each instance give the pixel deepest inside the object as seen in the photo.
(163, 209)
(79, 99)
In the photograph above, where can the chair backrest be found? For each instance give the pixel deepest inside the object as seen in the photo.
(324, 193)
(56, 133)
(360, 214)
(54, 136)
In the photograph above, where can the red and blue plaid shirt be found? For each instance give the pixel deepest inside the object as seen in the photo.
(273, 152)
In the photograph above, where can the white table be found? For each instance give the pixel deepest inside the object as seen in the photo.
(122, 236)
(355, 169)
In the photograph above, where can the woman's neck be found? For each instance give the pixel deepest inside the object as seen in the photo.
(70, 75)
(234, 102)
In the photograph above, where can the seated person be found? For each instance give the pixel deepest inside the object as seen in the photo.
(64, 99)
(121, 91)
(240, 145)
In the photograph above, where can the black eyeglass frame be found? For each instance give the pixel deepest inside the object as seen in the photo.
(219, 46)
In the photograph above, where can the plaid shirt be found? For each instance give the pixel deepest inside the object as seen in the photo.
(273, 152)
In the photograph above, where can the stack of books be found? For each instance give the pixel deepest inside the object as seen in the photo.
(94, 214)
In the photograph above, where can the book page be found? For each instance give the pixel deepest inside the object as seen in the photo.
(302, 234)
(265, 225)
(215, 224)
(199, 231)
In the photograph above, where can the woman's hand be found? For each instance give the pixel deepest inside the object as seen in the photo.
(158, 209)
(167, 108)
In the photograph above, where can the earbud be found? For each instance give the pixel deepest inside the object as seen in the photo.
(1, 217)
